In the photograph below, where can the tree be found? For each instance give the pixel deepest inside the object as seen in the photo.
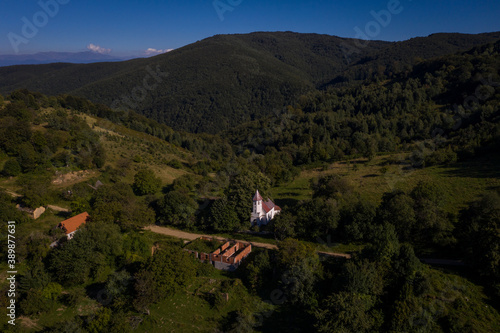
(176, 208)
(144, 290)
(384, 243)
(99, 155)
(317, 218)
(406, 264)
(223, 217)
(52, 291)
(349, 312)
(145, 182)
(167, 271)
(258, 271)
(36, 278)
(478, 232)
(34, 303)
(118, 288)
(8, 210)
(299, 268)
(330, 187)
(117, 204)
(283, 225)
(93, 249)
(397, 209)
(11, 168)
(27, 157)
(13, 133)
(362, 277)
(357, 220)
(100, 320)
(432, 226)
(34, 189)
(241, 190)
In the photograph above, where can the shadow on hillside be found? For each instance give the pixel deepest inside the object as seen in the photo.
(64, 215)
(478, 170)
(288, 202)
(97, 291)
(371, 176)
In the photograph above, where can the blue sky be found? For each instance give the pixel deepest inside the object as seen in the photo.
(130, 27)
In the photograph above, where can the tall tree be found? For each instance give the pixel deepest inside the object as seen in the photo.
(145, 182)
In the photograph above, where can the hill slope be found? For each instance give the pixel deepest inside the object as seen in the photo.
(222, 81)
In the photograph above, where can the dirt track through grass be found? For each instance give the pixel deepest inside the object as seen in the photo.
(191, 236)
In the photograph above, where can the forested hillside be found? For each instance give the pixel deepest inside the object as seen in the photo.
(392, 168)
(222, 81)
(441, 109)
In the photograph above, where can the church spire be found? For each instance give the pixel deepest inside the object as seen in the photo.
(257, 196)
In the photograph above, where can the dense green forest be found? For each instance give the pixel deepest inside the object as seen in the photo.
(442, 109)
(114, 276)
(217, 83)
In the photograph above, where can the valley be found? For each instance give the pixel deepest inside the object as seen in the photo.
(385, 169)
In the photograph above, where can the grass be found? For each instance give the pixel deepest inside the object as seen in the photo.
(193, 311)
(465, 302)
(293, 192)
(202, 245)
(337, 247)
(60, 313)
(249, 237)
(460, 183)
(140, 153)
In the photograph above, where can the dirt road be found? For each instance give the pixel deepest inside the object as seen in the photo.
(191, 236)
(58, 209)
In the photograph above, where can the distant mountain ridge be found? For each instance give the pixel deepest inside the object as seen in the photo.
(222, 81)
(53, 57)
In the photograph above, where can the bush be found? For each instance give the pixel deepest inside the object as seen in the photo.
(34, 303)
(176, 164)
(145, 182)
(74, 297)
(11, 168)
(52, 291)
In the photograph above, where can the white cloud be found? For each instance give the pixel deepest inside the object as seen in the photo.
(151, 51)
(98, 49)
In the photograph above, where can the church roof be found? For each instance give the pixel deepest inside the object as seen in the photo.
(269, 205)
(266, 207)
(257, 196)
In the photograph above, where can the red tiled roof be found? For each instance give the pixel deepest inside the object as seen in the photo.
(257, 196)
(268, 205)
(265, 207)
(74, 223)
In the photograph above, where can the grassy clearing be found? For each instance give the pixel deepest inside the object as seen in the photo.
(130, 154)
(460, 183)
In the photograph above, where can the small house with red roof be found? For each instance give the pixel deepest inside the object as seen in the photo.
(71, 225)
(263, 210)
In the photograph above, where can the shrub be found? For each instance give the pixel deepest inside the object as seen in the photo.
(11, 168)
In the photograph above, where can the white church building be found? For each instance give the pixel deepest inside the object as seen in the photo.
(263, 211)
